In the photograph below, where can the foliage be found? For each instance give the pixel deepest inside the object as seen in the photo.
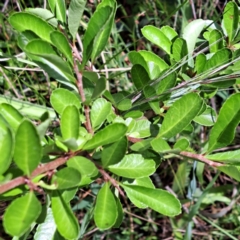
(112, 143)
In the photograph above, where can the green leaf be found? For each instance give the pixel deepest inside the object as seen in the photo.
(11, 115)
(99, 88)
(179, 49)
(136, 58)
(230, 157)
(45, 14)
(43, 54)
(232, 171)
(61, 43)
(59, 9)
(28, 149)
(75, 12)
(70, 122)
(180, 114)
(66, 178)
(20, 214)
(112, 154)
(140, 76)
(43, 126)
(119, 219)
(159, 200)
(99, 112)
(169, 32)
(150, 92)
(223, 131)
(140, 129)
(181, 144)
(156, 36)
(166, 83)
(230, 20)
(6, 145)
(200, 63)
(207, 118)
(26, 21)
(102, 36)
(124, 105)
(133, 166)
(109, 134)
(160, 145)
(96, 25)
(215, 40)
(105, 211)
(61, 98)
(65, 220)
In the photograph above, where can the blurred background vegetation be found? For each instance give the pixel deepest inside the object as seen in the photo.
(219, 213)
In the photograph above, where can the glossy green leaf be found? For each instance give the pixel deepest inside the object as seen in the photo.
(96, 25)
(61, 43)
(200, 63)
(65, 220)
(140, 76)
(181, 144)
(136, 58)
(26, 21)
(230, 157)
(142, 145)
(67, 177)
(47, 229)
(230, 20)
(42, 53)
(59, 9)
(109, 134)
(69, 194)
(223, 131)
(113, 154)
(62, 98)
(166, 83)
(70, 122)
(20, 214)
(124, 105)
(99, 112)
(207, 118)
(134, 114)
(120, 215)
(6, 145)
(154, 63)
(87, 169)
(160, 145)
(133, 166)
(102, 36)
(45, 14)
(140, 129)
(169, 32)
(156, 36)
(99, 88)
(180, 114)
(215, 40)
(179, 49)
(75, 12)
(232, 171)
(105, 211)
(159, 200)
(28, 149)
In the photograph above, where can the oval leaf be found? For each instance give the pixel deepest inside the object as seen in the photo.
(180, 114)
(105, 211)
(159, 200)
(133, 166)
(28, 149)
(20, 214)
(61, 98)
(139, 76)
(109, 134)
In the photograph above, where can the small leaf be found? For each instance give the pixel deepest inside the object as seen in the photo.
(140, 76)
(207, 118)
(70, 122)
(124, 105)
(66, 178)
(159, 200)
(119, 213)
(26, 21)
(75, 12)
(156, 36)
(11, 115)
(105, 211)
(169, 32)
(160, 145)
(181, 144)
(114, 153)
(20, 214)
(166, 83)
(61, 98)
(136, 58)
(109, 134)
(99, 112)
(61, 43)
(223, 131)
(230, 20)
(6, 145)
(65, 220)
(133, 166)
(215, 40)
(180, 114)
(99, 88)
(200, 63)
(179, 49)
(140, 129)
(28, 149)
(59, 9)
